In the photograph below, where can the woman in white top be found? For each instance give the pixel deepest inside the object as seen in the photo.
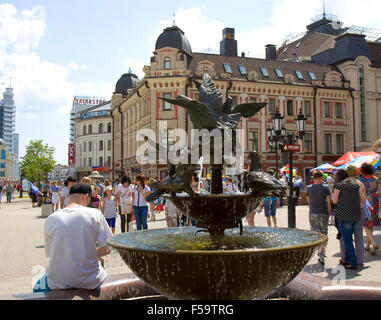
(125, 193)
(140, 204)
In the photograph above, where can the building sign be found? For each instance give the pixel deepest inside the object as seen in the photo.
(71, 155)
(88, 100)
(98, 168)
(291, 148)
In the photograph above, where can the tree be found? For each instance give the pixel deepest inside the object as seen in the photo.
(38, 161)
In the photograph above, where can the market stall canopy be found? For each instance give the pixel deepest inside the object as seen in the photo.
(377, 164)
(359, 161)
(325, 167)
(350, 156)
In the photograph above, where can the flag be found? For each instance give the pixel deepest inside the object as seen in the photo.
(33, 188)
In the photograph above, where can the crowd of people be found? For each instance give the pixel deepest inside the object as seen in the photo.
(352, 197)
(8, 189)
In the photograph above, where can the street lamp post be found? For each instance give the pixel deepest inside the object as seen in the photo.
(278, 134)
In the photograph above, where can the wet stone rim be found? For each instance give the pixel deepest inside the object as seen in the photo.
(113, 242)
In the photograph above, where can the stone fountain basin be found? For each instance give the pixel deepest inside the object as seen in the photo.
(217, 274)
(224, 209)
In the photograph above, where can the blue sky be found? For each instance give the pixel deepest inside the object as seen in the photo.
(55, 49)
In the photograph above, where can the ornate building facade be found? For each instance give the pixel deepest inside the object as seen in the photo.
(93, 141)
(321, 92)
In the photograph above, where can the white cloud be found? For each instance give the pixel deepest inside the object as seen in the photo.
(136, 66)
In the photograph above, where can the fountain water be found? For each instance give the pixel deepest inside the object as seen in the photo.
(227, 263)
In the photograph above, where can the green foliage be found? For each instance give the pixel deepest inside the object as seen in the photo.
(38, 161)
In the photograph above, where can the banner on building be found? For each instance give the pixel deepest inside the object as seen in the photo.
(71, 155)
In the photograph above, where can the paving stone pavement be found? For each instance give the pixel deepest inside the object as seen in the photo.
(22, 254)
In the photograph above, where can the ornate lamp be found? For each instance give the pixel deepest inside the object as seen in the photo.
(277, 122)
(301, 124)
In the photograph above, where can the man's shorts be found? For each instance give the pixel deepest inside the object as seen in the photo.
(270, 207)
(111, 222)
(319, 223)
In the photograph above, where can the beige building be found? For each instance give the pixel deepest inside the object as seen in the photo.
(93, 141)
(356, 53)
(321, 92)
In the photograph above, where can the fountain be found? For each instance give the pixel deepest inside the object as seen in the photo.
(219, 258)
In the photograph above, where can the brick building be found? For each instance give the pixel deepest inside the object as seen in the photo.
(320, 91)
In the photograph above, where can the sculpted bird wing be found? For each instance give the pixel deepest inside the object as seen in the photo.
(209, 95)
(201, 116)
(248, 110)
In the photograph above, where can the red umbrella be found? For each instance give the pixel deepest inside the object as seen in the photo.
(350, 156)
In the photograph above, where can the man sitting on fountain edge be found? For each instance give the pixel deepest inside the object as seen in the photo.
(75, 240)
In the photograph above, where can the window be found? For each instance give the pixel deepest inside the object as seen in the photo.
(253, 141)
(84, 147)
(307, 108)
(340, 143)
(108, 161)
(290, 108)
(100, 128)
(271, 106)
(264, 71)
(167, 105)
(2, 165)
(101, 161)
(328, 143)
(90, 162)
(327, 110)
(101, 145)
(227, 68)
(339, 110)
(167, 63)
(109, 127)
(84, 130)
(242, 69)
(252, 99)
(279, 73)
(299, 75)
(312, 75)
(90, 129)
(298, 44)
(108, 145)
(84, 162)
(284, 50)
(89, 146)
(308, 143)
(3, 154)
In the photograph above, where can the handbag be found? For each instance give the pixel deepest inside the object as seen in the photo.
(366, 209)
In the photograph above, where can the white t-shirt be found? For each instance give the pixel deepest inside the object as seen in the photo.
(71, 238)
(139, 198)
(172, 210)
(126, 194)
(65, 194)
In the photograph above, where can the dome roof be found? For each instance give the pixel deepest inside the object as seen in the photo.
(126, 81)
(173, 37)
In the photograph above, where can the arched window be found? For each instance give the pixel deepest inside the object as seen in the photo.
(84, 130)
(3, 154)
(100, 128)
(167, 63)
(90, 129)
(109, 127)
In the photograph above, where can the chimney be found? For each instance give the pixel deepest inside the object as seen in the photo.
(270, 52)
(243, 54)
(228, 45)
